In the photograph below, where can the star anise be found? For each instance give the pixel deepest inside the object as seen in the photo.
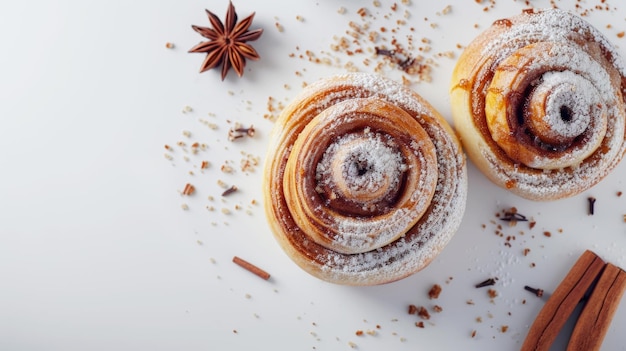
(227, 42)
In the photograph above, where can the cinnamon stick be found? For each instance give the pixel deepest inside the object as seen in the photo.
(563, 301)
(596, 316)
(252, 268)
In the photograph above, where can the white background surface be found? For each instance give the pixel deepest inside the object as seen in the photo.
(96, 252)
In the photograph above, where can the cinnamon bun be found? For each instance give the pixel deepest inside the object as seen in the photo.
(538, 102)
(364, 181)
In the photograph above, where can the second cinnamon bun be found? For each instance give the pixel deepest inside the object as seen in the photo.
(538, 101)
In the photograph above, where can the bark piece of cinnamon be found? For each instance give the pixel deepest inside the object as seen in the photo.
(563, 301)
(596, 316)
(252, 268)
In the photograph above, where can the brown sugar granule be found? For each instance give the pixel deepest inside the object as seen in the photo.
(547, 234)
(526, 251)
(359, 333)
(226, 168)
(437, 308)
(169, 45)
(504, 328)
(492, 293)
(434, 292)
(412, 309)
(473, 333)
(419, 324)
(619, 193)
(423, 312)
(621, 34)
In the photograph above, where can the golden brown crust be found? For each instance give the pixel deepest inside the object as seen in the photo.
(364, 181)
(538, 102)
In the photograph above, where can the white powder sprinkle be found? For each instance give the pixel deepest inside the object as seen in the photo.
(426, 238)
(579, 83)
(366, 167)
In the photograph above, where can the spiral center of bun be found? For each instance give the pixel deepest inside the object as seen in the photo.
(373, 173)
(365, 168)
(562, 108)
(547, 105)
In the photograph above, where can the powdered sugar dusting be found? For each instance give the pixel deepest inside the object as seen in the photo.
(553, 25)
(365, 166)
(566, 89)
(577, 84)
(581, 73)
(434, 229)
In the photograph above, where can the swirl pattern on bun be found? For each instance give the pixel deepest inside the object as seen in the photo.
(538, 102)
(364, 181)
